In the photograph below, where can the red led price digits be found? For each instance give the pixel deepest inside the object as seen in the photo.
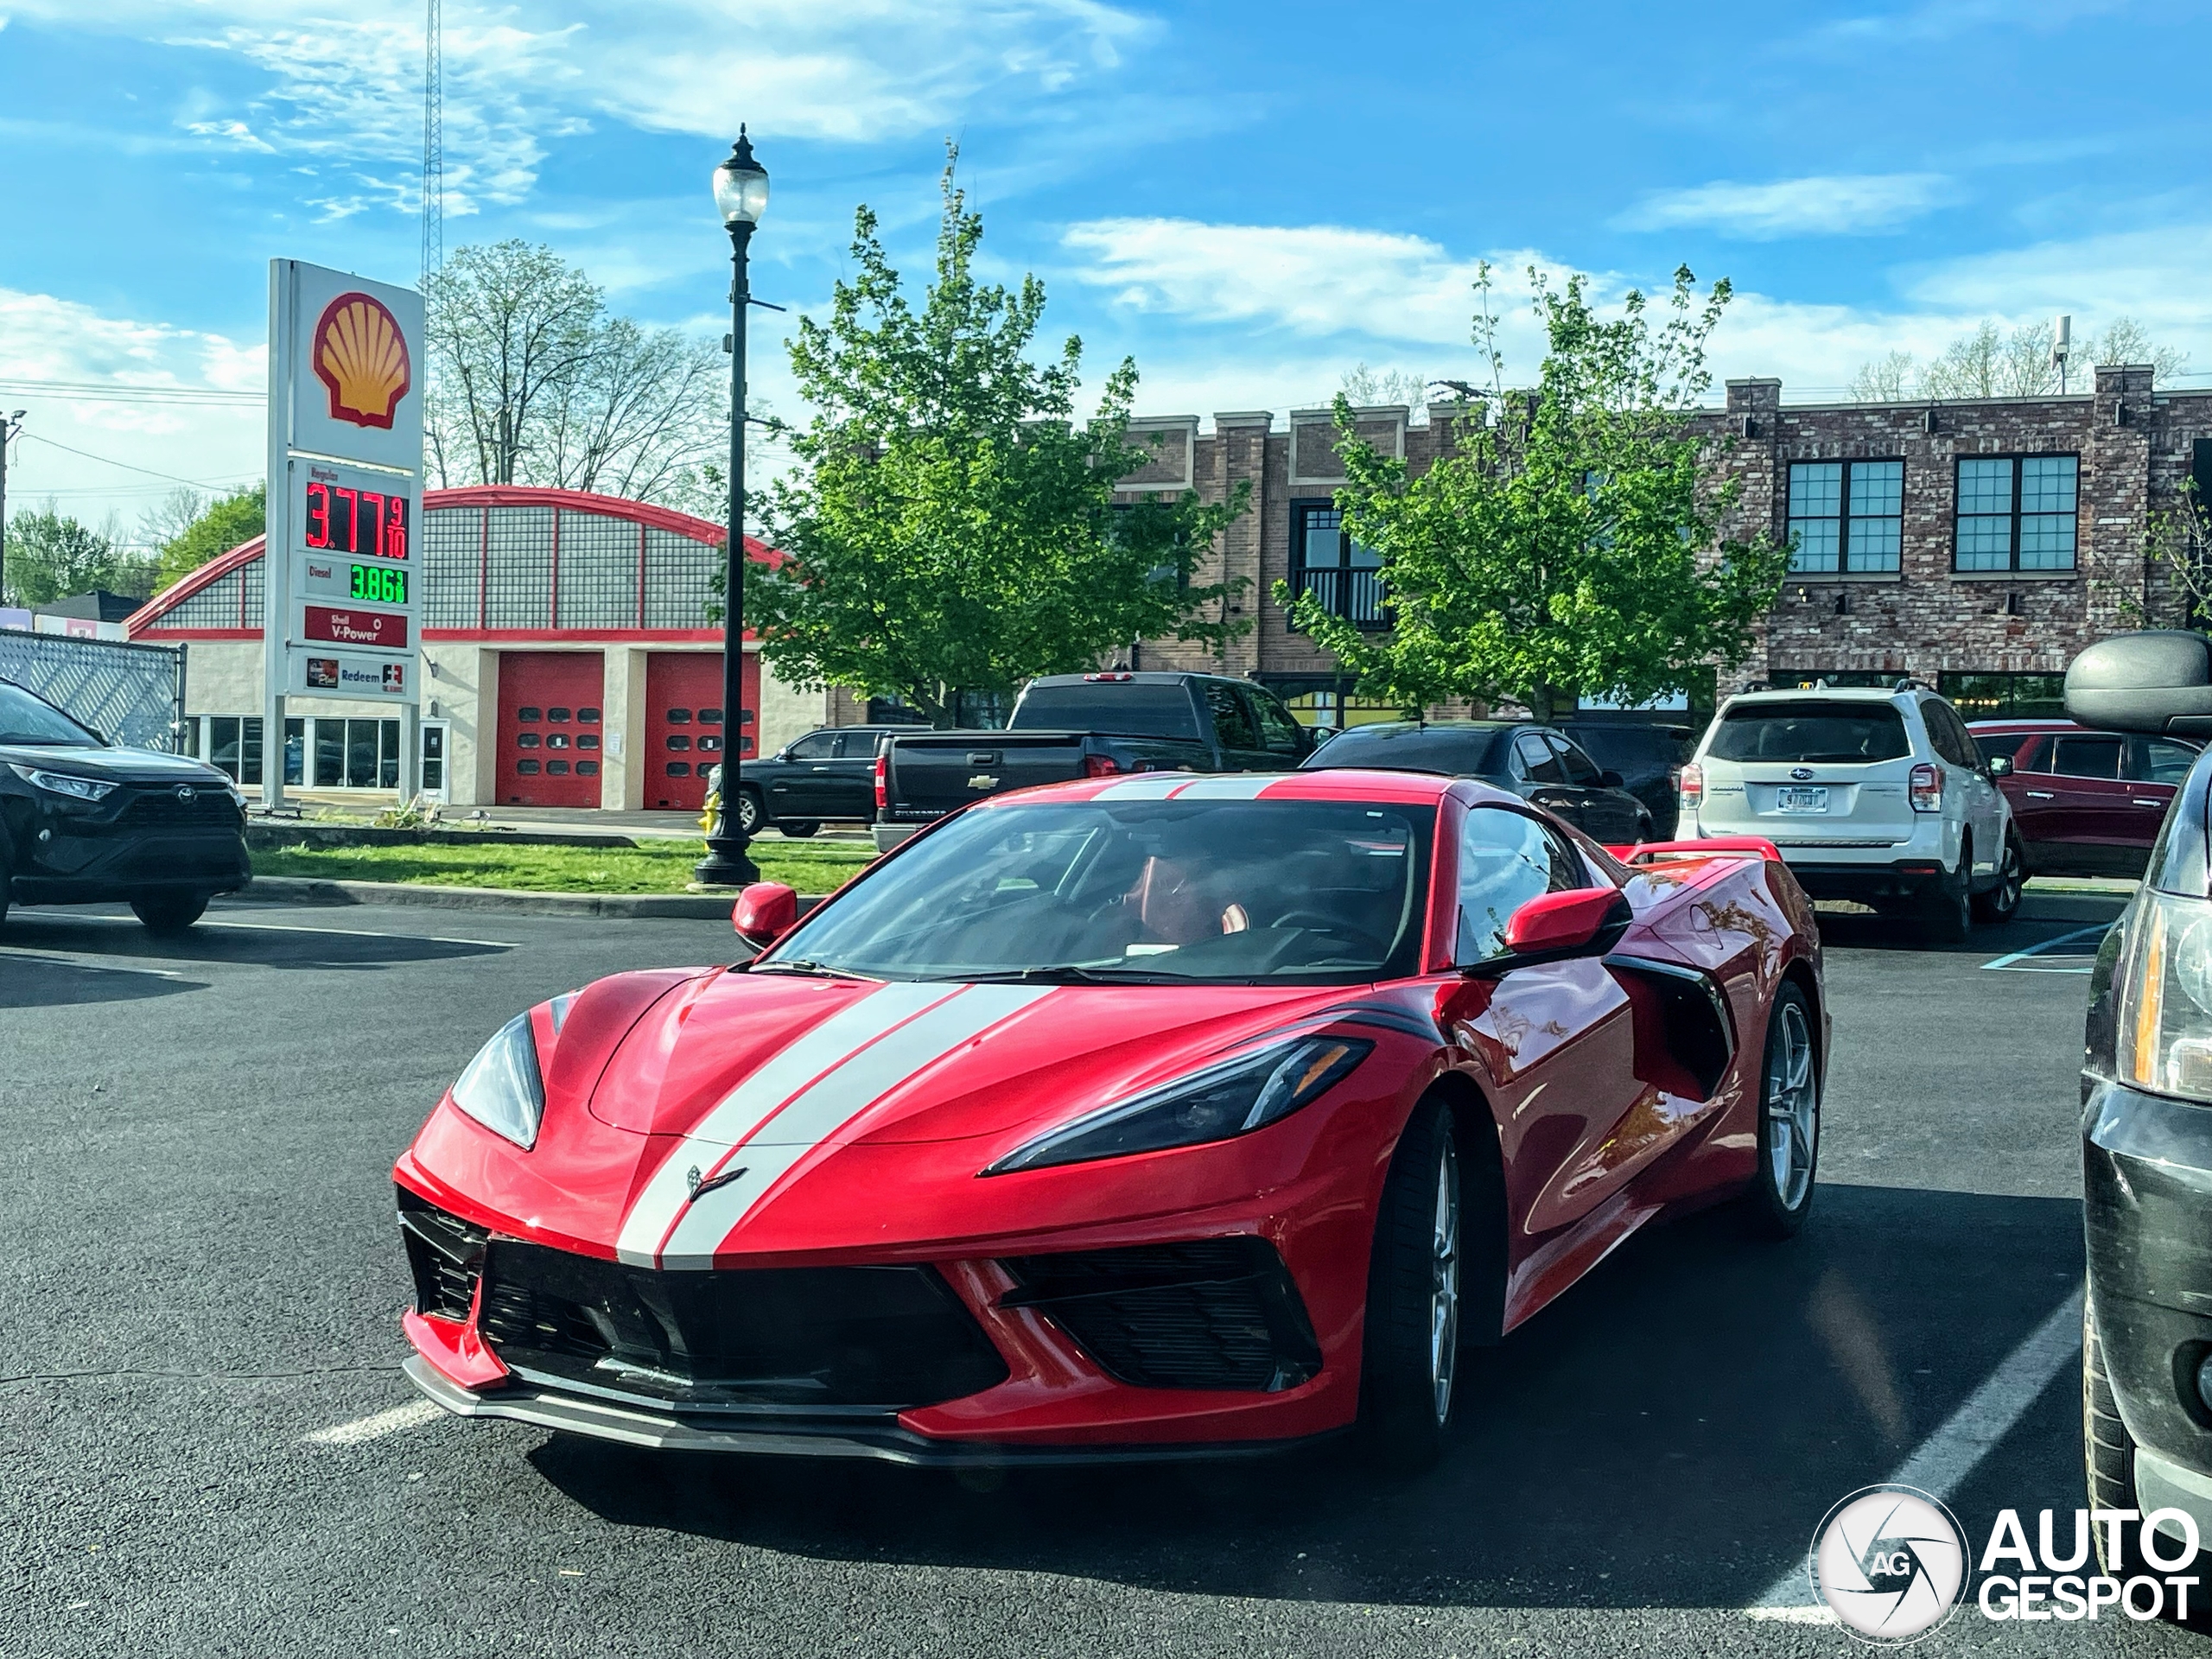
(340, 520)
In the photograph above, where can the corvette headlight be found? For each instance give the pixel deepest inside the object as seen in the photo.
(62, 783)
(502, 1089)
(1232, 1099)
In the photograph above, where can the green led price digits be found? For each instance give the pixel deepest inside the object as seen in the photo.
(379, 586)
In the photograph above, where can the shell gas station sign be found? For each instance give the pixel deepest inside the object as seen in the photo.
(344, 494)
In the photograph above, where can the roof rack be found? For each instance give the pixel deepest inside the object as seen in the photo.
(1908, 683)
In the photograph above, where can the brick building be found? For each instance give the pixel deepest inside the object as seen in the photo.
(1976, 545)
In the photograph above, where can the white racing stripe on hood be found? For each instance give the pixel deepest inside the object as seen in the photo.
(833, 1077)
(1229, 786)
(1148, 786)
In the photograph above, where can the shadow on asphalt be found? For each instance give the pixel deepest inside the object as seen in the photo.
(35, 981)
(294, 946)
(1668, 1435)
(2041, 917)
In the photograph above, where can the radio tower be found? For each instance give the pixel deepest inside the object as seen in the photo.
(433, 143)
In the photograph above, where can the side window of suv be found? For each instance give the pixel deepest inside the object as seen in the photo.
(1949, 738)
(1232, 722)
(815, 746)
(2086, 755)
(2155, 760)
(1277, 730)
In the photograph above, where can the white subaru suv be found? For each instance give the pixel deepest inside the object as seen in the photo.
(1872, 795)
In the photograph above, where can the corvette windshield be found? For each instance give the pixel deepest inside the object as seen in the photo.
(1144, 891)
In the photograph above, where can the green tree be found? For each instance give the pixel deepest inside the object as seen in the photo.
(1568, 542)
(1992, 362)
(51, 555)
(218, 526)
(949, 524)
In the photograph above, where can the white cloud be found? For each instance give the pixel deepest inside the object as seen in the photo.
(46, 338)
(1340, 293)
(344, 82)
(1828, 205)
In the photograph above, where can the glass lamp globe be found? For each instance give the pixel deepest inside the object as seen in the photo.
(741, 185)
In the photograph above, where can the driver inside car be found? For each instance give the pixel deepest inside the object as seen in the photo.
(1179, 901)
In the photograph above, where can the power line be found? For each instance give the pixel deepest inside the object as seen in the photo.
(109, 391)
(109, 461)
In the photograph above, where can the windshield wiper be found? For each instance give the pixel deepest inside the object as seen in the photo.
(1063, 973)
(803, 965)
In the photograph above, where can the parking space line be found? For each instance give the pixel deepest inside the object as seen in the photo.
(341, 932)
(105, 964)
(1940, 1464)
(2045, 947)
(413, 1414)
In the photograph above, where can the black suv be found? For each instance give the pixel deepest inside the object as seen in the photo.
(83, 822)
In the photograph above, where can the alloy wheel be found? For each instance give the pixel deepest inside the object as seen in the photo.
(1444, 1283)
(1792, 1106)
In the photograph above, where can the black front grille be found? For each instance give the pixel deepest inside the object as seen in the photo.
(1210, 1313)
(210, 808)
(883, 1338)
(445, 1252)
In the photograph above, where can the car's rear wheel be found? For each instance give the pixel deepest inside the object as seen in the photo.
(1412, 1352)
(169, 913)
(1944, 918)
(2000, 901)
(1781, 1194)
(799, 829)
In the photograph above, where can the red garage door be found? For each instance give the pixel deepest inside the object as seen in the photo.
(550, 727)
(683, 724)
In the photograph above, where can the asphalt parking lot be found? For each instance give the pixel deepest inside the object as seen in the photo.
(206, 1446)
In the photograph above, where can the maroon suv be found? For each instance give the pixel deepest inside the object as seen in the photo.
(2086, 802)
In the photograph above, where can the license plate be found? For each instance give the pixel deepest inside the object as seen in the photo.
(1800, 800)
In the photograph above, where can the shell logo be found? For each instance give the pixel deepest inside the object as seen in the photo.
(360, 356)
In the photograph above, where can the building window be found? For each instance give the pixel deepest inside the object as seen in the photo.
(2005, 696)
(1344, 576)
(1845, 516)
(2016, 512)
(234, 747)
(1328, 703)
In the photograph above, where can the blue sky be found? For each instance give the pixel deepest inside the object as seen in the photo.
(1249, 197)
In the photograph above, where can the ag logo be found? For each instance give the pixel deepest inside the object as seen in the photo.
(1890, 1562)
(360, 357)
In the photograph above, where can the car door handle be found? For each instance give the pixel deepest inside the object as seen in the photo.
(2150, 803)
(2041, 795)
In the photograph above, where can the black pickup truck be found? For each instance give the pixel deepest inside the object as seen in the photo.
(1086, 725)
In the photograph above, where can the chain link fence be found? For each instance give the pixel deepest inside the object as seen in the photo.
(133, 693)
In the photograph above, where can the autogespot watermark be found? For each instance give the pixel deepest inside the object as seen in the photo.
(1893, 1563)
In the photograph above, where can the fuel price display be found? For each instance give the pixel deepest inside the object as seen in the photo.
(350, 512)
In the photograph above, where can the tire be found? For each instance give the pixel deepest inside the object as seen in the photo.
(2002, 901)
(749, 813)
(1781, 1194)
(7, 885)
(798, 831)
(1410, 1359)
(169, 913)
(1944, 915)
(2108, 1465)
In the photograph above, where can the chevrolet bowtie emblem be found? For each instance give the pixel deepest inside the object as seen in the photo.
(983, 780)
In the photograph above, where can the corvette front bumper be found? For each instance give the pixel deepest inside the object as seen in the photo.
(877, 1437)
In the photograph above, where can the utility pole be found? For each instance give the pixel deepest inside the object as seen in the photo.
(9, 428)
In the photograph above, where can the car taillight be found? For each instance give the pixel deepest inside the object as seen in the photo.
(882, 781)
(1689, 786)
(1100, 766)
(1927, 789)
(2163, 989)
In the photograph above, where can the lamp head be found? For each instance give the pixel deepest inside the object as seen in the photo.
(741, 185)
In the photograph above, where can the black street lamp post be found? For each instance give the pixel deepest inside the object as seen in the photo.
(742, 195)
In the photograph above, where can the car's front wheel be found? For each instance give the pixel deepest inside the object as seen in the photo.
(1412, 1352)
(169, 913)
(2000, 901)
(749, 812)
(1790, 1119)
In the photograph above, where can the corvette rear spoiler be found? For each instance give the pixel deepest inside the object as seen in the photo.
(1653, 852)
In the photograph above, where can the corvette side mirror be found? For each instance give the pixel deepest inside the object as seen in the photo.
(764, 911)
(1584, 922)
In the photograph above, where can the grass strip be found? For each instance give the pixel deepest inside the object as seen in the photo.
(654, 868)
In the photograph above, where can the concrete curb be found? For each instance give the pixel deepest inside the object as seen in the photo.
(608, 907)
(265, 834)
